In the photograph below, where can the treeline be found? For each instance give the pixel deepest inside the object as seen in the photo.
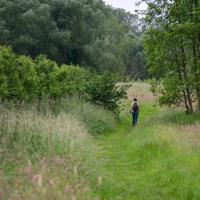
(23, 79)
(84, 32)
(173, 49)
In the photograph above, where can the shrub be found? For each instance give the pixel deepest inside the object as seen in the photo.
(102, 91)
(45, 69)
(18, 77)
(24, 79)
(69, 80)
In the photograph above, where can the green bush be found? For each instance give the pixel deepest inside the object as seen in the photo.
(69, 80)
(102, 90)
(24, 79)
(171, 94)
(18, 76)
(45, 69)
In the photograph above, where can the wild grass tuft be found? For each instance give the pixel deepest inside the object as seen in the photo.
(179, 118)
(44, 155)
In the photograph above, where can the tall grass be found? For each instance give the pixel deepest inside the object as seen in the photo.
(46, 151)
(96, 119)
(178, 118)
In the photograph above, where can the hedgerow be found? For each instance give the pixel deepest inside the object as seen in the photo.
(25, 79)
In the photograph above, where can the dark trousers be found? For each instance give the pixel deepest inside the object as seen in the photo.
(135, 118)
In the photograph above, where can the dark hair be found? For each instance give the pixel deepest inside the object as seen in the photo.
(134, 99)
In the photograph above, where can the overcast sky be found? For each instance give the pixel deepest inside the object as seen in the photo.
(128, 5)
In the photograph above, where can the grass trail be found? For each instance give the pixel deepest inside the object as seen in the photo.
(154, 161)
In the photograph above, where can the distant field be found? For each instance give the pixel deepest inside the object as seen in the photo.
(141, 90)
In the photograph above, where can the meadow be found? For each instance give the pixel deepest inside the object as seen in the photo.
(65, 127)
(158, 160)
(54, 152)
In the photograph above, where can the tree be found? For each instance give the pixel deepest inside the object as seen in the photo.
(172, 48)
(84, 32)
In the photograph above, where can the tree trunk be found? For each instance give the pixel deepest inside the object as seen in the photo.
(184, 92)
(182, 83)
(195, 41)
(188, 92)
(197, 77)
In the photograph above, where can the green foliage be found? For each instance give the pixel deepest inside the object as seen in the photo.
(69, 80)
(102, 90)
(171, 45)
(84, 32)
(45, 69)
(24, 79)
(19, 80)
(171, 94)
(136, 67)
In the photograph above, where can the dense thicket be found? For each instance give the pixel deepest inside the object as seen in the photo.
(83, 32)
(26, 79)
(173, 50)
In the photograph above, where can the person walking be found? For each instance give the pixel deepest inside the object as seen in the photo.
(134, 110)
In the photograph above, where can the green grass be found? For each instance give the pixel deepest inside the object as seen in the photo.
(95, 119)
(154, 161)
(180, 118)
(49, 153)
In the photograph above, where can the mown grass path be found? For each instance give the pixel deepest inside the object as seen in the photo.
(142, 164)
(119, 165)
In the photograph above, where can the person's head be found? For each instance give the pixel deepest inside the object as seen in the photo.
(135, 100)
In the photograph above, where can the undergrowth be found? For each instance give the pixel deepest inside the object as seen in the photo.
(46, 151)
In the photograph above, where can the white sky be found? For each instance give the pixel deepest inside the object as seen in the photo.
(128, 5)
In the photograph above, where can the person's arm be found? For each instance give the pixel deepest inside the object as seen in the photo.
(131, 108)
